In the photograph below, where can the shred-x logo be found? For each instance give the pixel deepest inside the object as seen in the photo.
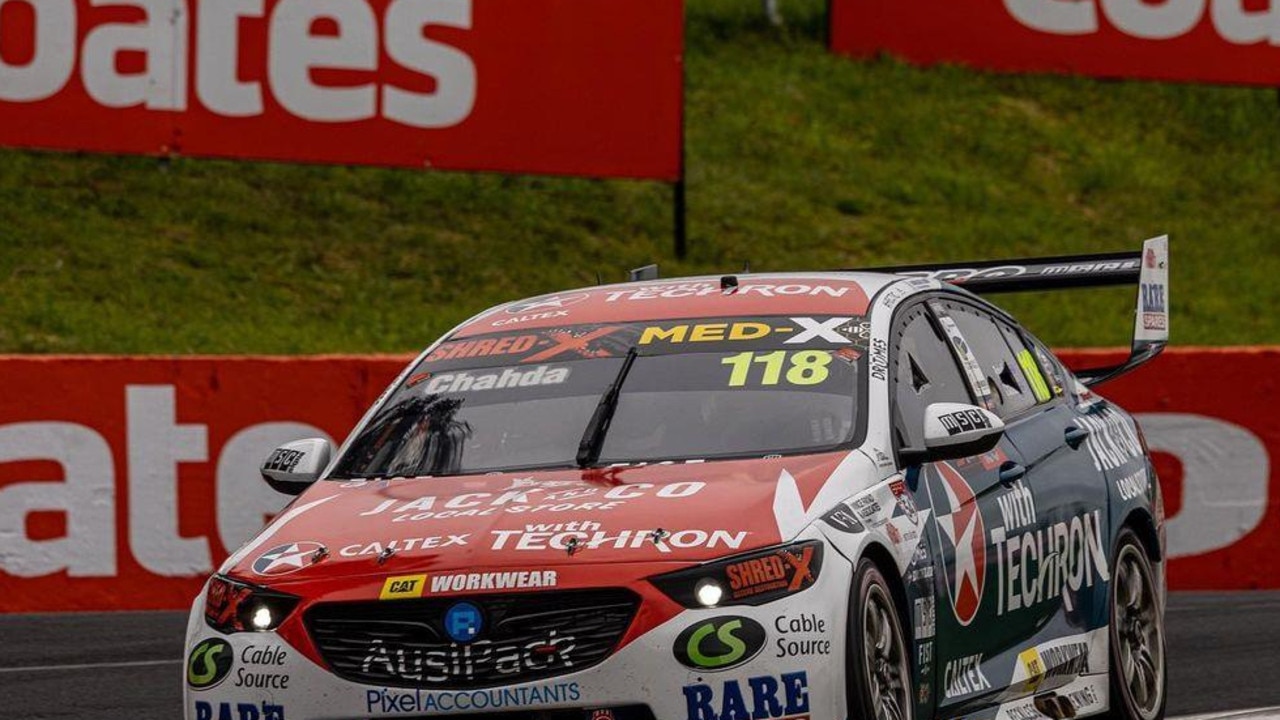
(578, 343)
(784, 569)
(961, 536)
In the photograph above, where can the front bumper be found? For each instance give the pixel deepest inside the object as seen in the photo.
(799, 672)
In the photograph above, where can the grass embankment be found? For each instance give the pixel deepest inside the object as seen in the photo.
(798, 160)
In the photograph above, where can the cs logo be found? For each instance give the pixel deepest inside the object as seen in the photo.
(209, 663)
(719, 643)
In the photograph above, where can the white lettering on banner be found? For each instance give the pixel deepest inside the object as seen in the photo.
(162, 40)
(453, 70)
(296, 53)
(1150, 21)
(55, 59)
(1055, 16)
(157, 443)
(86, 495)
(1225, 469)
(1243, 27)
(1154, 22)
(293, 53)
(218, 44)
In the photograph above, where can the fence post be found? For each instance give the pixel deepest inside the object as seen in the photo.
(679, 206)
(682, 248)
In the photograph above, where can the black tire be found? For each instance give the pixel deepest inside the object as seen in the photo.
(878, 677)
(1137, 637)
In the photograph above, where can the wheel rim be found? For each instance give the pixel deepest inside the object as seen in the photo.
(1139, 633)
(884, 657)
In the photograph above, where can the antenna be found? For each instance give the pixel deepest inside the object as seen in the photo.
(648, 272)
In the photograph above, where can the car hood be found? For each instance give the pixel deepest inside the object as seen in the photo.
(685, 512)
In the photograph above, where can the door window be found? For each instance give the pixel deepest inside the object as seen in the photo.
(924, 373)
(1054, 374)
(1012, 392)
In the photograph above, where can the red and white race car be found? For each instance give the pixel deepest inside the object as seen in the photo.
(810, 495)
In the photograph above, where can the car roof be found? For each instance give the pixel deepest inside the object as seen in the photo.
(755, 295)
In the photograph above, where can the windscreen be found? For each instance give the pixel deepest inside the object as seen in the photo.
(695, 390)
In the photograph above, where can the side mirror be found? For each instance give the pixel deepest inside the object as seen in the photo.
(292, 467)
(955, 430)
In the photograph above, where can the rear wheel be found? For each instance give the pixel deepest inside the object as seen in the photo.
(877, 666)
(1138, 675)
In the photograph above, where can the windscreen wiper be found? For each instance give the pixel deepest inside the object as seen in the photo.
(593, 438)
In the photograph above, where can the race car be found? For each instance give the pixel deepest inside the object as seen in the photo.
(829, 495)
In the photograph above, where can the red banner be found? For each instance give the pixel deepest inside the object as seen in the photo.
(124, 482)
(1222, 41)
(575, 87)
(1209, 416)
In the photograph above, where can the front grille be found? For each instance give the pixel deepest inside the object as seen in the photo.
(524, 636)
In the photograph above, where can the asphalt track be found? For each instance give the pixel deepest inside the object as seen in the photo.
(1224, 651)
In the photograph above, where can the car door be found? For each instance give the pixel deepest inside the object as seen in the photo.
(1089, 459)
(1045, 528)
(928, 356)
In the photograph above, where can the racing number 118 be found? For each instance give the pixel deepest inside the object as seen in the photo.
(808, 367)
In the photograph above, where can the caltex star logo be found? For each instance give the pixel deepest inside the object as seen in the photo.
(555, 302)
(963, 538)
(284, 559)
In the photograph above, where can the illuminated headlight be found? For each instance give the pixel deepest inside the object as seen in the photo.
(708, 592)
(752, 579)
(262, 619)
(231, 606)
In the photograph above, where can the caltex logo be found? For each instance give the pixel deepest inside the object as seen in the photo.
(554, 302)
(284, 559)
(962, 536)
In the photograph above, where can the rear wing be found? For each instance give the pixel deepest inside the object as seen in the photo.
(1147, 268)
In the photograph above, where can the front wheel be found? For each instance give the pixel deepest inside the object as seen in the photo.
(1138, 675)
(878, 671)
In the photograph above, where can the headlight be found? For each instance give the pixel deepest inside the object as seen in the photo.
(231, 607)
(752, 579)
